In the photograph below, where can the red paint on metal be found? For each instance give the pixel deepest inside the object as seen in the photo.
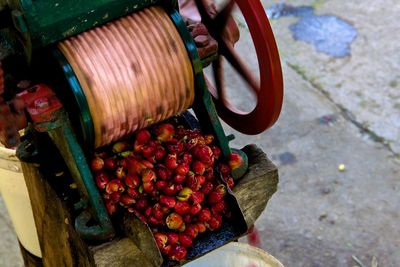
(269, 90)
(40, 102)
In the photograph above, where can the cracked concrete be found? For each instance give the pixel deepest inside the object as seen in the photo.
(321, 216)
(9, 248)
(367, 82)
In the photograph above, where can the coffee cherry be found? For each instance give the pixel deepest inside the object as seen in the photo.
(120, 147)
(96, 164)
(185, 240)
(192, 230)
(182, 207)
(101, 180)
(198, 167)
(171, 161)
(127, 200)
(110, 164)
(165, 132)
(177, 253)
(204, 215)
(173, 238)
(161, 239)
(174, 221)
(196, 208)
(168, 201)
(132, 181)
(184, 194)
(143, 136)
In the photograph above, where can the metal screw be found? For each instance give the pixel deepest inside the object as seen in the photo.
(41, 102)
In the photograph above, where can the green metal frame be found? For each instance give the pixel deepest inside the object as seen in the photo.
(85, 119)
(62, 135)
(44, 22)
(49, 21)
(203, 105)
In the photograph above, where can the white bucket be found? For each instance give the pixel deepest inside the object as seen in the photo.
(16, 197)
(236, 254)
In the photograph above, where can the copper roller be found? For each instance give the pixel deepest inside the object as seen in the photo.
(134, 72)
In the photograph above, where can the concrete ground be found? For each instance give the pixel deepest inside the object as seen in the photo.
(339, 108)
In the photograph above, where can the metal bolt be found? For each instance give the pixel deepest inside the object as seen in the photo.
(202, 40)
(41, 102)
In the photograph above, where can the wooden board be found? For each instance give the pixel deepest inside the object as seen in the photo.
(259, 184)
(119, 253)
(59, 242)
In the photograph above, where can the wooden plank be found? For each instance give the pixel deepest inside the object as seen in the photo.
(142, 236)
(120, 253)
(59, 242)
(259, 184)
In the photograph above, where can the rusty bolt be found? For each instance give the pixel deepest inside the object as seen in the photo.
(202, 40)
(210, 49)
(199, 29)
(41, 102)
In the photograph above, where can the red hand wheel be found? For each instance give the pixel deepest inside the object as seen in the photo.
(269, 89)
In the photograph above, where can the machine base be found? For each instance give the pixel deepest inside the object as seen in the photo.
(61, 245)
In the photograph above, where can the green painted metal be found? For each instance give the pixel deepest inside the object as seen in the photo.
(208, 60)
(242, 169)
(7, 43)
(49, 21)
(85, 119)
(203, 105)
(64, 138)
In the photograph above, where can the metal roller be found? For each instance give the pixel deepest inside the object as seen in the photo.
(133, 72)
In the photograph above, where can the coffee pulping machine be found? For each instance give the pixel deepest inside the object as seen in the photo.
(101, 70)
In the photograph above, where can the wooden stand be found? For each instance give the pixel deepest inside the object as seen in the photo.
(61, 245)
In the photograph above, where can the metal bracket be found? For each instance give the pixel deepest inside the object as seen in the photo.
(48, 115)
(203, 106)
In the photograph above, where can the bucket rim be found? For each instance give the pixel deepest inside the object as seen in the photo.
(240, 248)
(8, 154)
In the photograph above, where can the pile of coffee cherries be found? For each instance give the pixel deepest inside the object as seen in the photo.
(167, 176)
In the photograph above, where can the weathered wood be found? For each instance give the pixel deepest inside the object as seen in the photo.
(30, 260)
(259, 184)
(59, 242)
(119, 253)
(142, 236)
